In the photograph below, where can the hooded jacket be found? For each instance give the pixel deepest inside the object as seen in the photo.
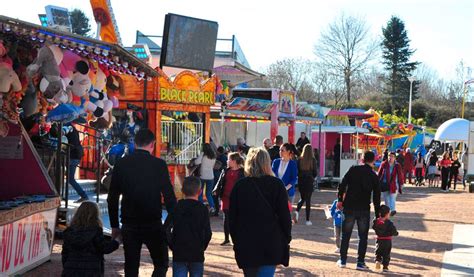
(384, 229)
(83, 251)
(191, 231)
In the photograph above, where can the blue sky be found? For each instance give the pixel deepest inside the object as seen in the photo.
(442, 31)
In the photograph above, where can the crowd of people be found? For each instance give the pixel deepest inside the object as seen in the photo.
(255, 189)
(427, 165)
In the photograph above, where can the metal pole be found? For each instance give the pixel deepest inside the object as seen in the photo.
(463, 100)
(58, 158)
(66, 187)
(409, 104)
(319, 158)
(97, 172)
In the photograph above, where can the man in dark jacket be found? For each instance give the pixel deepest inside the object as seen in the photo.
(302, 141)
(141, 179)
(357, 187)
(191, 231)
(275, 150)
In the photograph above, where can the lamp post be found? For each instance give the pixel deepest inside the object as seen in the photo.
(466, 84)
(411, 79)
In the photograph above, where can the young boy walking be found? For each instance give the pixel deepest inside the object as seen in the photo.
(191, 231)
(384, 229)
(337, 218)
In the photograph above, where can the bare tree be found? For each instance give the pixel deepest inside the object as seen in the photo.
(327, 87)
(292, 74)
(345, 46)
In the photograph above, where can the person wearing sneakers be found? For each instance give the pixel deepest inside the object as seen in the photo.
(76, 153)
(307, 171)
(354, 192)
(384, 229)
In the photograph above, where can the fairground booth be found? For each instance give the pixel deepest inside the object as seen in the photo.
(258, 113)
(338, 140)
(51, 79)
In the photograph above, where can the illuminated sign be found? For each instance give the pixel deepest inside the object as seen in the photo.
(186, 96)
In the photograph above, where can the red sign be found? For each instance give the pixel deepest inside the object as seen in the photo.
(26, 241)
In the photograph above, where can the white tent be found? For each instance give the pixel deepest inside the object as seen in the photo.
(453, 130)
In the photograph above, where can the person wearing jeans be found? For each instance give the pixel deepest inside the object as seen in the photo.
(76, 151)
(261, 271)
(73, 164)
(209, 185)
(362, 218)
(182, 269)
(207, 160)
(358, 186)
(391, 181)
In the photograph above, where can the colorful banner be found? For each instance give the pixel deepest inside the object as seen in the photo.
(26, 242)
(287, 102)
(251, 105)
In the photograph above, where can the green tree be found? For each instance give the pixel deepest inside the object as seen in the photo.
(396, 54)
(80, 23)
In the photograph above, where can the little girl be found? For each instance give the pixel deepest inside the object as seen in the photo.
(227, 180)
(84, 243)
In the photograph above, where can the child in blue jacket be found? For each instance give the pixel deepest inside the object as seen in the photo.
(337, 218)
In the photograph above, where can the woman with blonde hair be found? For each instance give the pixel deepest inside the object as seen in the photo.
(259, 218)
(84, 243)
(307, 171)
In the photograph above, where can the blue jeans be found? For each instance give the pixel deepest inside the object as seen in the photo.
(71, 172)
(350, 218)
(209, 187)
(181, 269)
(261, 271)
(390, 200)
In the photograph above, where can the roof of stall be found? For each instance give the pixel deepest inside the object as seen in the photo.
(32, 32)
(356, 115)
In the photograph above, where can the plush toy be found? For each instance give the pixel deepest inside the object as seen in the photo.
(47, 63)
(4, 58)
(9, 84)
(98, 103)
(115, 88)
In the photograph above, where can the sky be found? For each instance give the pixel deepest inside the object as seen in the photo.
(441, 31)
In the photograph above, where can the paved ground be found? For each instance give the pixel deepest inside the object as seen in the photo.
(425, 221)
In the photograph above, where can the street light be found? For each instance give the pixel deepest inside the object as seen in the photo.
(411, 79)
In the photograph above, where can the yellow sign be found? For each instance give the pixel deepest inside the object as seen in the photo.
(186, 96)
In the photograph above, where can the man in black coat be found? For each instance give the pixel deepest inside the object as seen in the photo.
(141, 179)
(275, 150)
(302, 141)
(357, 187)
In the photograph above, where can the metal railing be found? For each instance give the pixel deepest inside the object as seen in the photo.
(192, 151)
(183, 139)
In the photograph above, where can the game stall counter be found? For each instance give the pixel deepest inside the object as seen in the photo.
(28, 205)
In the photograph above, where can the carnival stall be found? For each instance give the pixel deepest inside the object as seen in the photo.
(336, 159)
(255, 114)
(50, 79)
